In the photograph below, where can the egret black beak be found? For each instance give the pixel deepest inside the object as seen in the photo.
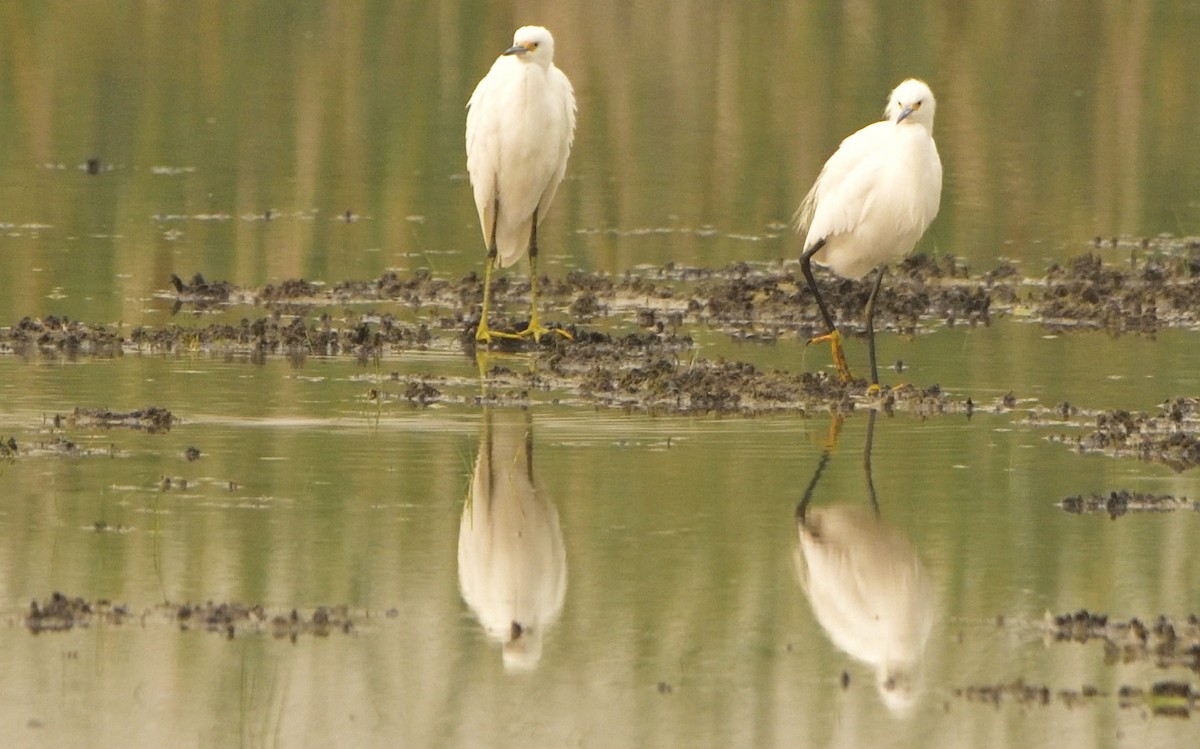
(516, 49)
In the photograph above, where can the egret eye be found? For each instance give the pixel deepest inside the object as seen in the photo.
(532, 46)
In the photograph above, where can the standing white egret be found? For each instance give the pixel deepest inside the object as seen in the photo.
(520, 125)
(867, 586)
(512, 565)
(872, 201)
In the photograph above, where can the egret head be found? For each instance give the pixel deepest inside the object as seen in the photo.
(532, 44)
(524, 650)
(899, 685)
(912, 101)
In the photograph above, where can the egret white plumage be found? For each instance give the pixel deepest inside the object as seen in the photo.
(874, 198)
(512, 565)
(520, 126)
(870, 593)
(866, 583)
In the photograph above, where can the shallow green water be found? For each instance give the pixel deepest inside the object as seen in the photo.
(668, 546)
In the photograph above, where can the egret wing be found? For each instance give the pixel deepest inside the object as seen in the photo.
(842, 191)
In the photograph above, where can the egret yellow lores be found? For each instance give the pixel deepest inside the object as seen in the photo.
(872, 201)
(520, 126)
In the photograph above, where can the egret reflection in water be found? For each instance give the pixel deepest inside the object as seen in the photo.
(866, 584)
(512, 565)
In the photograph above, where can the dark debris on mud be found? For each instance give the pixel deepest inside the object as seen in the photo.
(1118, 503)
(646, 371)
(1019, 692)
(1162, 642)
(59, 446)
(1168, 437)
(152, 419)
(60, 336)
(232, 618)
(761, 302)
(61, 613)
(201, 293)
(1146, 293)
(359, 335)
(649, 370)
(1161, 292)
(1167, 699)
(769, 303)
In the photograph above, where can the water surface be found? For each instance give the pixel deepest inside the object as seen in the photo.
(233, 142)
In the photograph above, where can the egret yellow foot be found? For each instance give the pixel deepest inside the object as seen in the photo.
(835, 433)
(834, 339)
(537, 330)
(484, 334)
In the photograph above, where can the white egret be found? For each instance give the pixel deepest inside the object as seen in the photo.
(512, 565)
(869, 592)
(868, 588)
(874, 198)
(520, 126)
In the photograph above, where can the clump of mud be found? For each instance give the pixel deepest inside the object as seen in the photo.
(748, 302)
(201, 293)
(152, 419)
(60, 446)
(231, 618)
(1168, 437)
(1168, 699)
(764, 302)
(1018, 692)
(1163, 642)
(767, 303)
(59, 336)
(1118, 503)
(361, 336)
(1086, 293)
(645, 371)
(61, 613)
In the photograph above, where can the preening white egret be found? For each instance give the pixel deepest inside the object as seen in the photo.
(874, 198)
(520, 126)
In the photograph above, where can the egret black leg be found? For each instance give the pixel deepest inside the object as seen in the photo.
(870, 315)
(833, 336)
(867, 460)
(535, 328)
(806, 269)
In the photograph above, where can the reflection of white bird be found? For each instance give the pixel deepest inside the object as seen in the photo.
(872, 201)
(520, 125)
(512, 566)
(870, 592)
